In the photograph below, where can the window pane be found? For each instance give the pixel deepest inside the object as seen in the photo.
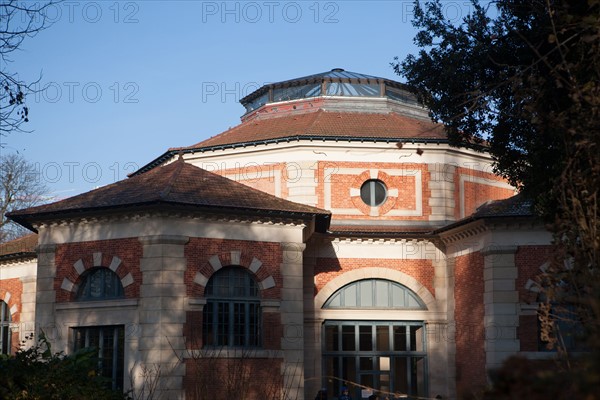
(348, 369)
(400, 374)
(350, 296)
(383, 337)
(366, 363)
(331, 338)
(348, 338)
(416, 338)
(365, 338)
(400, 338)
(223, 324)
(381, 293)
(366, 293)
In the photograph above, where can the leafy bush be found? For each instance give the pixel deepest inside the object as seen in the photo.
(38, 374)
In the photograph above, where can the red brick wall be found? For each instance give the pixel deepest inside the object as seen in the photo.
(128, 250)
(244, 378)
(528, 333)
(468, 315)
(198, 251)
(475, 193)
(13, 286)
(327, 269)
(528, 260)
(406, 186)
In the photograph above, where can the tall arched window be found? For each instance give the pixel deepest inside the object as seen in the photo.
(100, 284)
(4, 328)
(232, 312)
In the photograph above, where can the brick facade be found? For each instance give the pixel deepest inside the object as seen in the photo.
(129, 252)
(326, 269)
(469, 323)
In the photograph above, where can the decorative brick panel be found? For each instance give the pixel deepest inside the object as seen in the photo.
(479, 187)
(129, 251)
(199, 251)
(402, 189)
(468, 315)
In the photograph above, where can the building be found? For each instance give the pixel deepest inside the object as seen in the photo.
(333, 238)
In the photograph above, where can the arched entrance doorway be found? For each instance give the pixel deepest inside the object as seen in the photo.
(379, 355)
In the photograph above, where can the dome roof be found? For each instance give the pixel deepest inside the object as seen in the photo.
(337, 82)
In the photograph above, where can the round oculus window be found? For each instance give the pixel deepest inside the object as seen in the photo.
(373, 192)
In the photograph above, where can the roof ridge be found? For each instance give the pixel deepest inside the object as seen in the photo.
(172, 179)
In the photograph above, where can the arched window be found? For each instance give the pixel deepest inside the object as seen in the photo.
(4, 328)
(374, 293)
(100, 284)
(232, 312)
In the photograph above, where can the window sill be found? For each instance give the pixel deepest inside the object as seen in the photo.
(224, 352)
(80, 305)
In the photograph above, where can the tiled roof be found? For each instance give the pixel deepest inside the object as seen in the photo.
(513, 207)
(326, 124)
(378, 229)
(21, 246)
(178, 183)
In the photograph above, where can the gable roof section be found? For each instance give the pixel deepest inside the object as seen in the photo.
(176, 184)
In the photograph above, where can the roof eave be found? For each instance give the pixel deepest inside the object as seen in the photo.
(322, 219)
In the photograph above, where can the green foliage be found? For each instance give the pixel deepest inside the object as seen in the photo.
(521, 74)
(38, 374)
(525, 77)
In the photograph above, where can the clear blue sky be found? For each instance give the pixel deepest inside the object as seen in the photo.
(129, 79)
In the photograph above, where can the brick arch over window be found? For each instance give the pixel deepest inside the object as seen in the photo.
(12, 304)
(99, 260)
(234, 258)
(375, 273)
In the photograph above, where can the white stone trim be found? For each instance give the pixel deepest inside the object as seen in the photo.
(235, 257)
(115, 263)
(67, 285)
(127, 280)
(79, 266)
(97, 257)
(255, 265)
(267, 283)
(200, 279)
(215, 262)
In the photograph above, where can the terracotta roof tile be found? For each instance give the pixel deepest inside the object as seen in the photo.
(25, 244)
(178, 183)
(326, 124)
